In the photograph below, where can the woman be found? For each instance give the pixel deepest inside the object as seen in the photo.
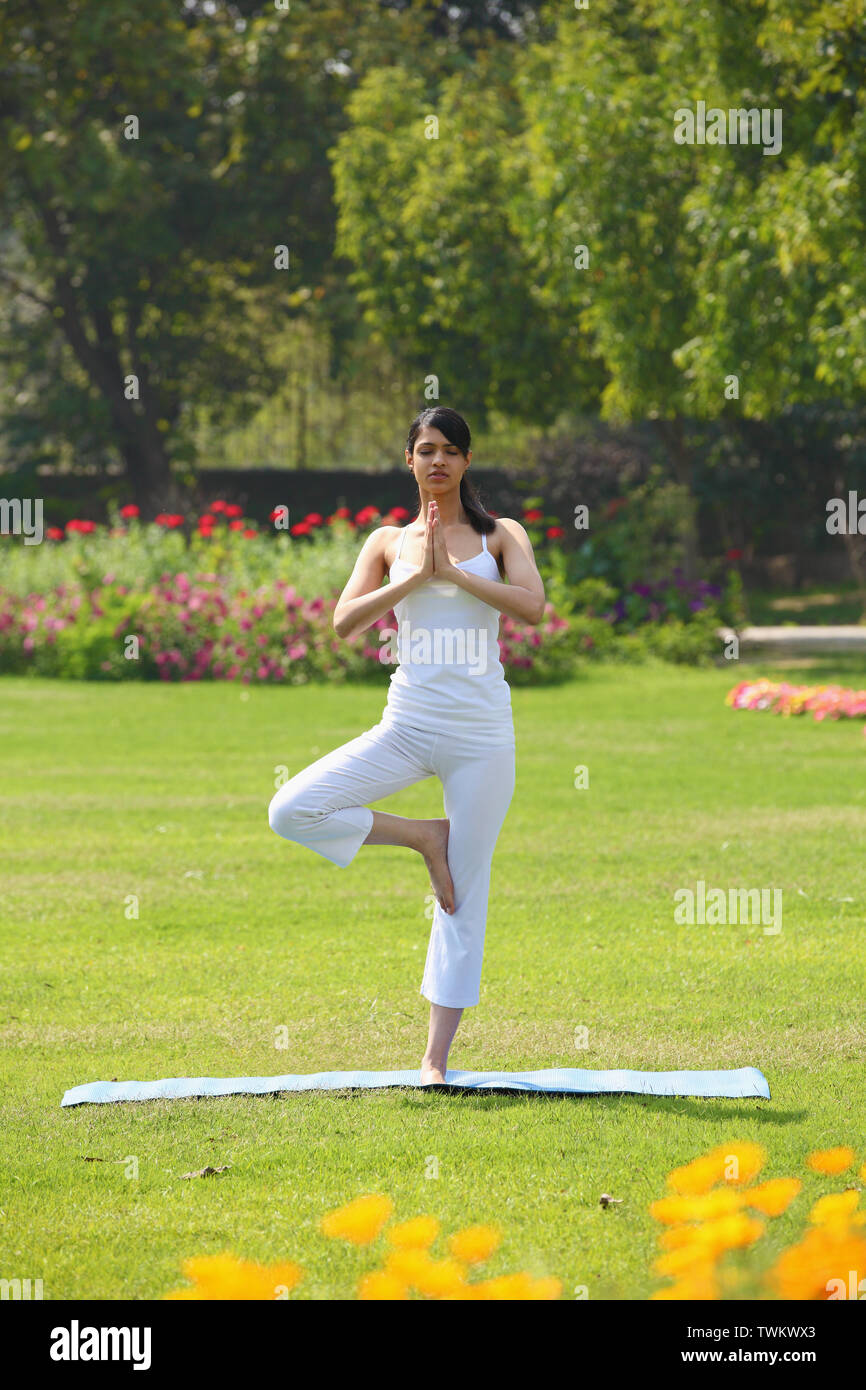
(448, 712)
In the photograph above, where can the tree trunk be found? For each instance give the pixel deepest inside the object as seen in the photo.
(97, 352)
(672, 434)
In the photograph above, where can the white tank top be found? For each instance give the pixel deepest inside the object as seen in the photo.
(450, 679)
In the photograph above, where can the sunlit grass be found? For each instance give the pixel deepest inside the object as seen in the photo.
(161, 792)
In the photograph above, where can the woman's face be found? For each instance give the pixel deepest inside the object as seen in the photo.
(438, 464)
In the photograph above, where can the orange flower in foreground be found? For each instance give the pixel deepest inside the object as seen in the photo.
(823, 1265)
(227, 1277)
(836, 1208)
(708, 1242)
(409, 1266)
(435, 1278)
(513, 1287)
(417, 1234)
(381, 1285)
(831, 1161)
(773, 1197)
(735, 1163)
(672, 1211)
(442, 1279)
(360, 1221)
(475, 1244)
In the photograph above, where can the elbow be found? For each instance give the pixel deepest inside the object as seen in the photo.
(538, 611)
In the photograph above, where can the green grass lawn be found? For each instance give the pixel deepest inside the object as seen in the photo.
(161, 792)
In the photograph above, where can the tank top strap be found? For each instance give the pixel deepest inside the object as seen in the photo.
(484, 540)
(400, 546)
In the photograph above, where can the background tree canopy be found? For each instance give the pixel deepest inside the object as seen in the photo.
(434, 171)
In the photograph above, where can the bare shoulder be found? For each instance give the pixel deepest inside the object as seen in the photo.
(507, 529)
(383, 542)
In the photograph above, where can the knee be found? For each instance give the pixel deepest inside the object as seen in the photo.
(291, 812)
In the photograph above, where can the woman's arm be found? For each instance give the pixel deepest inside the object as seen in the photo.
(523, 596)
(365, 598)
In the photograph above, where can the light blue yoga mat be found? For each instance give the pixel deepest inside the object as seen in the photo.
(746, 1082)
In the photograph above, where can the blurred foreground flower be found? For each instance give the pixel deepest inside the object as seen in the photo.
(360, 1221)
(227, 1277)
(409, 1267)
(710, 1216)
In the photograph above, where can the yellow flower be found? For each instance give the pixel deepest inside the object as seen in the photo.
(672, 1211)
(227, 1277)
(820, 1265)
(409, 1266)
(773, 1197)
(360, 1221)
(835, 1208)
(475, 1244)
(417, 1234)
(708, 1242)
(381, 1285)
(435, 1278)
(735, 1163)
(442, 1279)
(831, 1161)
(521, 1286)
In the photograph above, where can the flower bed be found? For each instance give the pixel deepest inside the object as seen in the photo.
(215, 597)
(821, 701)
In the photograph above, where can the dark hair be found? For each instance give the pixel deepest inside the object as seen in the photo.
(456, 431)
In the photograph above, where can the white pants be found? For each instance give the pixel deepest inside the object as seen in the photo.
(324, 808)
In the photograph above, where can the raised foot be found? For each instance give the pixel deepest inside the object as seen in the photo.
(434, 847)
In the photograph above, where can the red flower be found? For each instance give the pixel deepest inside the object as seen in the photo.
(365, 515)
(250, 533)
(300, 528)
(84, 527)
(555, 532)
(207, 520)
(55, 533)
(236, 525)
(233, 509)
(733, 554)
(130, 510)
(275, 514)
(219, 506)
(400, 513)
(533, 514)
(313, 518)
(341, 514)
(169, 519)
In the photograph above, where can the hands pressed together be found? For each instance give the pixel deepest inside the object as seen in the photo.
(435, 559)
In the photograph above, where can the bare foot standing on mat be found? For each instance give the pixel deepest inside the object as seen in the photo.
(448, 712)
